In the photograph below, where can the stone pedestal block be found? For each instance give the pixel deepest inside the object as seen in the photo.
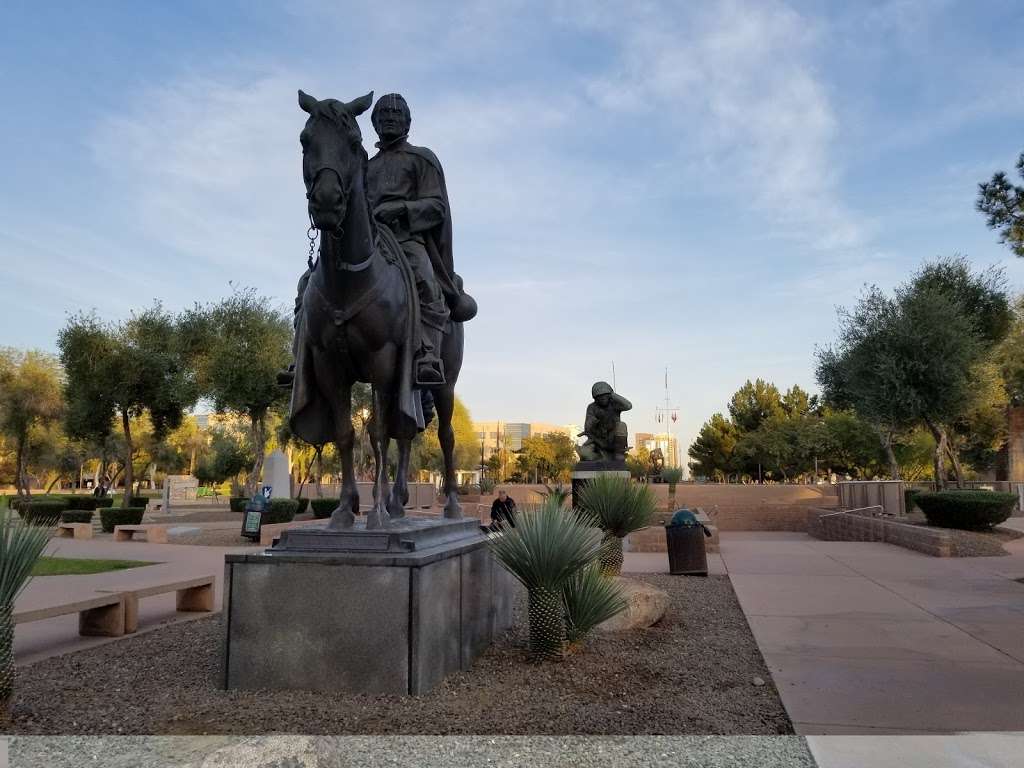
(391, 611)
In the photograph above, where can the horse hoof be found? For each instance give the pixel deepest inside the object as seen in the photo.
(341, 519)
(395, 509)
(453, 510)
(377, 518)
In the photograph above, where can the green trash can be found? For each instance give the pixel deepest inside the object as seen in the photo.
(684, 535)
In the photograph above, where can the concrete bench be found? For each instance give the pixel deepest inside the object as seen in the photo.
(193, 594)
(74, 530)
(155, 533)
(99, 614)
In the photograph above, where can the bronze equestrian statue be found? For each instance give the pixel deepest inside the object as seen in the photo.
(382, 303)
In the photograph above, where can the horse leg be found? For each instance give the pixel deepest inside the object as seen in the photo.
(444, 401)
(399, 495)
(378, 517)
(344, 515)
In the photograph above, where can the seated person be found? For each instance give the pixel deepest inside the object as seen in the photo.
(503, 510)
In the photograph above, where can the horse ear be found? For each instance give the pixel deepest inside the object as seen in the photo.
(360, 105)
(307, 102)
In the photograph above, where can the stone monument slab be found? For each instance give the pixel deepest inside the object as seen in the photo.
(277, 476)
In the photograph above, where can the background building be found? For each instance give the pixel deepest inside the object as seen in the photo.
(668, 444)
(509, 435)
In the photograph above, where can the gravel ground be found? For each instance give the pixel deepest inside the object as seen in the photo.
(698, 671)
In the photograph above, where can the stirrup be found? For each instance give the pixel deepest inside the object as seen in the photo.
(434, 374)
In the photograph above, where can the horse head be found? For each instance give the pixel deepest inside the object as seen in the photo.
(331, 141)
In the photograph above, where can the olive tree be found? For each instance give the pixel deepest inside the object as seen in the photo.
(125, 371)
(238, 347)
(30, 399)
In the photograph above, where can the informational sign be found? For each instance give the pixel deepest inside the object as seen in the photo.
(254, 513)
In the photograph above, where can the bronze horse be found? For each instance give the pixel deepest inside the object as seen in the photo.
(355, 322)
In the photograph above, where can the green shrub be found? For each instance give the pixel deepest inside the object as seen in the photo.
(967, 510)
(590, 597)
(237, 503)
(280, 511)
(43, 512)
(112, 516)
(82, 502)
(77, 516)
(103, 502)
(323, 507)
(138, 501)
(303, 505)
(486, 485)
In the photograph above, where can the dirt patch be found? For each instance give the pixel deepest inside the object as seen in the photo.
(694, 672)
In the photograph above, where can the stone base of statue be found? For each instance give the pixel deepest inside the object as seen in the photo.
(585, 471)
(388, 611)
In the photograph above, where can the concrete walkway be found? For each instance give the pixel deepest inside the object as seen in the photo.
(869, 638)
(51, 637)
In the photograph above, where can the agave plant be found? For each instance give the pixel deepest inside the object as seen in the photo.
(21, 544)
(618, 507)
(546, 548)
(590, 597)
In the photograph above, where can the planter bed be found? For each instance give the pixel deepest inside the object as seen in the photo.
(691, 673)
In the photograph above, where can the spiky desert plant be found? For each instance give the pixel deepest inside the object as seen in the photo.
(21, 544)
(618, 507)
(590, 597)
(672, 476)
(548, 545)
(558, 492)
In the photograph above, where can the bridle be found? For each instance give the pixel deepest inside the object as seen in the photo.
(313, 231)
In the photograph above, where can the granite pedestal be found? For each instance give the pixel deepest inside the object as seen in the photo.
(584, 471)
(385, 611)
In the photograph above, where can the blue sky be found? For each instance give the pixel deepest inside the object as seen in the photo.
(696, 185)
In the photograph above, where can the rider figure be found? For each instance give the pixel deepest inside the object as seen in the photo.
(406, 191)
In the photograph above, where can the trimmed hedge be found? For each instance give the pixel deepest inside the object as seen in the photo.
(237, 503)
(120, 516)
(967, 510)
(42, 512)
(104, 502)
(303, 505)
(280, 511)
(77, 516)
(82, 502)
(138, 501)
(323, 507)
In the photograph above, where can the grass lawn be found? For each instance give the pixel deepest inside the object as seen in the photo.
(71, 566)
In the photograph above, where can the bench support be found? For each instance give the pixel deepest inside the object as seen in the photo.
(196, 598)
(105, 621)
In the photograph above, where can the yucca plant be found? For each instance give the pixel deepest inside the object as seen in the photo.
(618, 507)
(21, 544)
(557, 492)
(672, 476)
(590, 597)
(546, 548)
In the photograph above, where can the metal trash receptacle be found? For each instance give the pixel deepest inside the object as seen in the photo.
(684, 535)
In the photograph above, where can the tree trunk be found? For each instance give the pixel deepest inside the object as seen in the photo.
(259, 440)
(954, 459)
(126, 500)
(939, 461)
(192, 461)
(20, 476)
(890, 454)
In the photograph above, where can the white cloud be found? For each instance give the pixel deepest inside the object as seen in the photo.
(737, 85)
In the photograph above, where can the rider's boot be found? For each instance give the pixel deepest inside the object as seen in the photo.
(429, 368)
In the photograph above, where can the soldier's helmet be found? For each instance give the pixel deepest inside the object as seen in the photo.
(601, 388)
